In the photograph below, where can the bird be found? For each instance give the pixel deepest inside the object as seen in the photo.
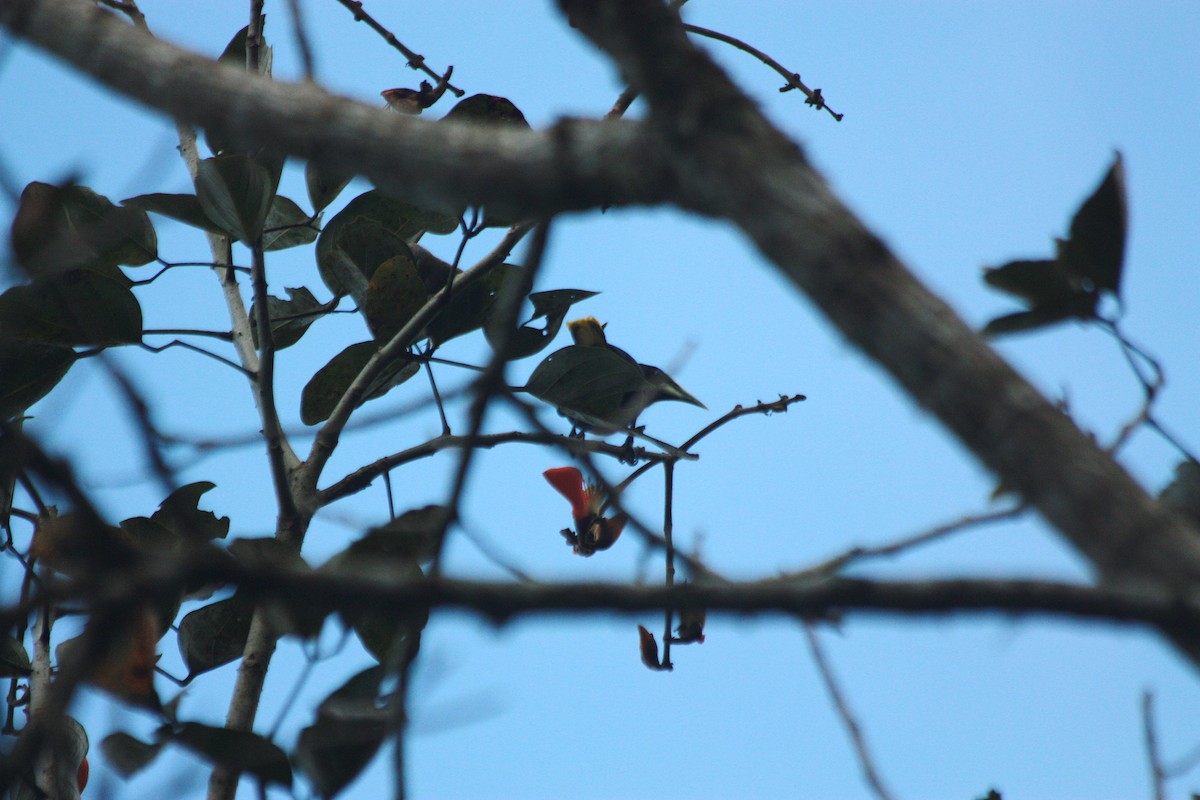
(599, 387)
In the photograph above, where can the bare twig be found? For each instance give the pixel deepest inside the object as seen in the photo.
(415, 61)
(1150, 735)
(815, 98)
(846, 715)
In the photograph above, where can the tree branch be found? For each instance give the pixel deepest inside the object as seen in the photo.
(733, 163)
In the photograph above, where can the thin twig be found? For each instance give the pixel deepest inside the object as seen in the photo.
(415, 61)
(815, 98)
(847, 716)
(669, 559)
(1150, 735)
(302, 43)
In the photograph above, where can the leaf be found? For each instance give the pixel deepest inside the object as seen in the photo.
(324, 185)
(1182, 494)
(1096, 246)
(126, 666)
(394, 633)
(180, 512)
(215, 635)
(91, 306)
(1033, 281)
(287, 226)
(332, 752)
(290, 318)
(487, 109)
(184, 208)
(14, 660)
(322, 393)
(412, 535)
(527, 339)
(363, 235)
(238, 751)
(28, 371)
(127, 754)
(1042, 316)
(470, 308)
(234, 55)
(288, 616)
(235, 192)
(394, 294)
(648, 648)
(61, 228)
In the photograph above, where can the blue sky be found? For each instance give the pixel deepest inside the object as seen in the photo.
(972, 132)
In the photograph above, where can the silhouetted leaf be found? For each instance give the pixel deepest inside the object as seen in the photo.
(394, 294)
(63, 228)
(184, 208)
(323, 185)
(215, 634)
(1096, 247)
(180, 512)
(234, 55)
(125, 667)
(287, 226)
(486, 108)
(648, 648)
(290, 318)
(326, 388)
(332, 752)
(1033, 281)
(14, 660)
(92, 306)
(412, 535)
(28, 371)
(1079, 306)
(527, 339)
(239, 751)
(235, 192)
(127, 754)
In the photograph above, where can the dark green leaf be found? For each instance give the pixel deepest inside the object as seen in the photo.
(234, 55)
(487, 108)
(235, 192)
(332, 752)
(386, 554)
(1036, 282)
(289, 616)
(79, 307)
(290, 318)
(1096, 247)
(326, 388)
(357, 698)
(182, 207)
(394, 294)
(63, 228)
(239, 751)
(1038, 317)
(413, 535)
(215, 635)
(528, 339)
(363, 234)
(28, 371)
(470, 308)
(287, 226)
(128, 755)
(14, 660)
(323, 185)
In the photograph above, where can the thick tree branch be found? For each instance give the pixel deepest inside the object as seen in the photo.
(575, 165)
(732, 163)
